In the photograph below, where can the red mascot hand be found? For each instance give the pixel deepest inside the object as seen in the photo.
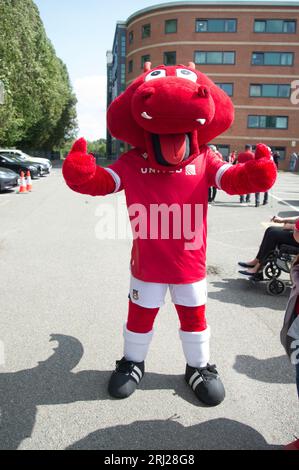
(83, 175)
(79, 167)
(254, 176)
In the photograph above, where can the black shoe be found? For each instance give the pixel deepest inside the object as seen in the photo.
(257, 204)
(206, 384)
(125, 379)
(265, 202)
(246, 273)
(245, 265)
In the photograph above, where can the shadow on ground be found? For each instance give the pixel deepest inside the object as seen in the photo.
(276, 370)
(52, 382)
(247, 293)
(168, 434)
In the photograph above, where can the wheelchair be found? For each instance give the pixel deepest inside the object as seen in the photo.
(278, 262)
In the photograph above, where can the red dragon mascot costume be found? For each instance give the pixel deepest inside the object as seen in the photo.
(168, 115)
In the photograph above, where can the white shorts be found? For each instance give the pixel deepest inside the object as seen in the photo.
(152, 294)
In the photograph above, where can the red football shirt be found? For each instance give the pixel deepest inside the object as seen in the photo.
(168, 248)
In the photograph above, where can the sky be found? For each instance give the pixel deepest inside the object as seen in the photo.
(82, 31)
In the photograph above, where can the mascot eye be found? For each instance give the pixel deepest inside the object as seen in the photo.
(185, 73)
(155, 74)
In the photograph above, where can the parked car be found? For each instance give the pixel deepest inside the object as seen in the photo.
(8, 179)
(19, 165)
(44, 163)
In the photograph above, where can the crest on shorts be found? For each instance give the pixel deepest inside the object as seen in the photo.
(135, 294)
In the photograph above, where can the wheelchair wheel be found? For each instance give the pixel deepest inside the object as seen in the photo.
(272, 270)
(276, 287)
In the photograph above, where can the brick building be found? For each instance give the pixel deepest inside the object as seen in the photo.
(249, 49)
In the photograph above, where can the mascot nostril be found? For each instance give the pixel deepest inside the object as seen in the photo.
(147, 93)
(167, 174)
(203, 92)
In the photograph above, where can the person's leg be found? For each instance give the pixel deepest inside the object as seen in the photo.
(242, 199)
(210, 194)
(266, 197)
(273, 237)
(190, 300)
(257, 199)
(247, 198)
(145, 301)
(214, 192)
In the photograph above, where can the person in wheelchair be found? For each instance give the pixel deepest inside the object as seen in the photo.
(274, 237)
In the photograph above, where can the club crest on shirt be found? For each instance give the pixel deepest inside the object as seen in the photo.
(135, 294)
(190, 170)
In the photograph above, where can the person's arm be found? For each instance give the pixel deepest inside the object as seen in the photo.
(285, 220)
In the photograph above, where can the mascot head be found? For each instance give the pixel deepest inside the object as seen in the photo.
(169, 112)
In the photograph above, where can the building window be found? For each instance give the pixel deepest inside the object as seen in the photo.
(171, 26)
(131, 37)
(145, 58)
(275, 26)
(215, 26)
(123, 76)
(123, 45)
(169, 58)
(270, 90)
(273, 58)
(145, 31)
(130, 66)
(268, 122)
(214, 57)
(227, 87)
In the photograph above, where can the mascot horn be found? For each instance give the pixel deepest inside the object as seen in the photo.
(168, 115)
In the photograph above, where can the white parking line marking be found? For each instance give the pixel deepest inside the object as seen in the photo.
(296, 209)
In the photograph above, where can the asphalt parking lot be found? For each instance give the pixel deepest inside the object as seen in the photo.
(63, 304)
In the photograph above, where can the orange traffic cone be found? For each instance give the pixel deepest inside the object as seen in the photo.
(23, 187)
(28, 181)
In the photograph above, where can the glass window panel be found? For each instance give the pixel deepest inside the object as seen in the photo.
(228, 57)
(284, 91)
(200, 57)
(227, 87)
(145, 58)
(286, 58)
(214, 58)
(259, 26)
(253, 121)
(170, 26)
(201, 26)
(270, 121)
(270, 91)
(257, 58)
(255, 90)
(262, 121)
(216, 26)
(231, 26)
(289, 27)
(146, 31)
(272, 58)
(131, 37)
(281, 122)
(169, 58)
(274, 26)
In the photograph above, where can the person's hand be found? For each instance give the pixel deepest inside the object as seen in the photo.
(288, 226)
(278, 220)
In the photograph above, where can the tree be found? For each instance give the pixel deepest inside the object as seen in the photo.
(39, 110)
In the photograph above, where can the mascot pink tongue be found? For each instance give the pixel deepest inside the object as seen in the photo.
(168, 115)
(173, 147)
